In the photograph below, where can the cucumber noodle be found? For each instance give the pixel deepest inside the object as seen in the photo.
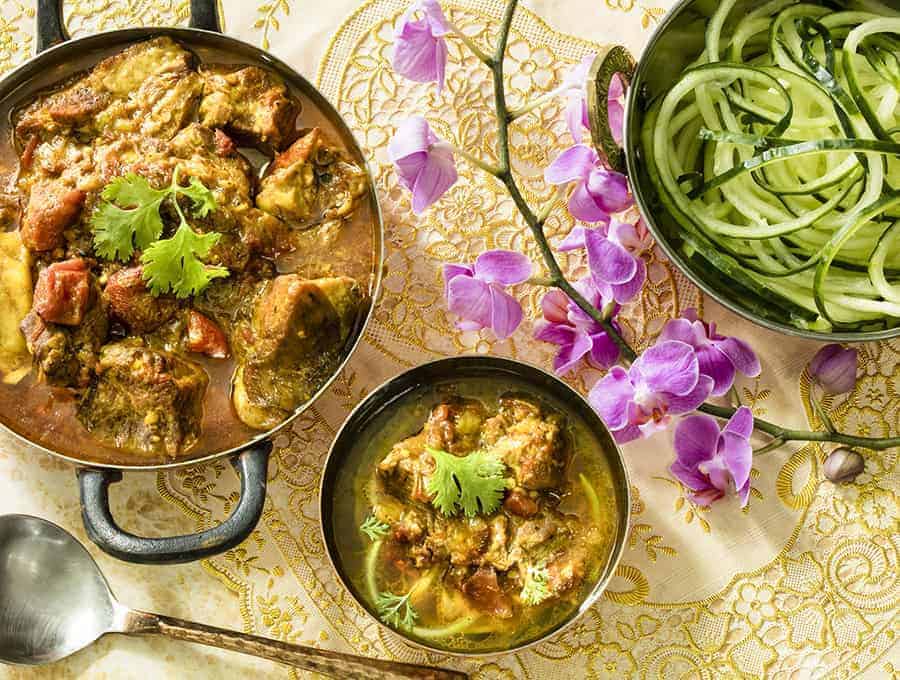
(778, 153)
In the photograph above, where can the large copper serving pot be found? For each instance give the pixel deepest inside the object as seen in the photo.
(59, 57)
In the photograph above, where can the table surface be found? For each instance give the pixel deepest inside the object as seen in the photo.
(801, 584)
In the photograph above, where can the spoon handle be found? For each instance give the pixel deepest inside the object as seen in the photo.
(336, 664)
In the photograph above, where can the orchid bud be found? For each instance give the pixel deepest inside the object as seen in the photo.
(834, 368)
(843, 465)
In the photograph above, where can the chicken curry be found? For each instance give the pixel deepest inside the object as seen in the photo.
(186, 250)
(484, 529)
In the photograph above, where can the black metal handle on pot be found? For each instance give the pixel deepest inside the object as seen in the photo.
(102, 529)
(618, 61)
(51, 29)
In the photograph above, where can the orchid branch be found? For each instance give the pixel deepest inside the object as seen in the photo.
(557, 278)
(534, 222)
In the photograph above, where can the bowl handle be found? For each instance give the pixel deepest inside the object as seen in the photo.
(251, 465)
(618, 61)
(51, 28)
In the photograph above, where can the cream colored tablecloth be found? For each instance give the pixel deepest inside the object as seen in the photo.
(802, 584)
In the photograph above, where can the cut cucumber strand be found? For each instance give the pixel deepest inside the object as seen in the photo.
(777, 155)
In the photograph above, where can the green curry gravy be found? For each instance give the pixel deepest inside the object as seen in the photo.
(446, 616)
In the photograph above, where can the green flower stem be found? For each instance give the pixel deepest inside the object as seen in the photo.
(771, 446)
(489, 168)
(535, 223)
(788, 435)
(544, 281)
(821, 413)
(536, 103)
(477, 51)
(557, 278)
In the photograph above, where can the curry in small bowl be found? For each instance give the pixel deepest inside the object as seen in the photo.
(474, 505)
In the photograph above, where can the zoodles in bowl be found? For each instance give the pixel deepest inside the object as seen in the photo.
(777, 153)
(481, 518)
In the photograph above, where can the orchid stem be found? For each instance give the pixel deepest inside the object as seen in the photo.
(544, 281)
(535, 224)
(513, 114)
(776, 443)
(489, 168)
(477, 51)
(558, 279)
(819, 410)
(788, 435)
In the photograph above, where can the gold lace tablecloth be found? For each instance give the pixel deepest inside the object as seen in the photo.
(801, 584)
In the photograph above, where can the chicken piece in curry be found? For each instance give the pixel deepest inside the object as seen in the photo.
(484, 529)
(182, 263)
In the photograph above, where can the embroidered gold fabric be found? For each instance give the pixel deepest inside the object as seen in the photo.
(801, 584)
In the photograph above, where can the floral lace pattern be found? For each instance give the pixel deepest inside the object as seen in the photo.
(803, 583)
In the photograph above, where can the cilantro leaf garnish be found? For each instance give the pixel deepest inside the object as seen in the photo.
(174, 264)
(203, 199)
(117, 230)
(396, 610)
(374, 529)
(535, 589)
(129, 219)
(473, 483)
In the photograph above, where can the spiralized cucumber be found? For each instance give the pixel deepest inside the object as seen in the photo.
(778, 153)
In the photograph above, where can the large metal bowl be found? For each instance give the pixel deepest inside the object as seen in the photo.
(59, 57)
(675, 43)
(451, 370)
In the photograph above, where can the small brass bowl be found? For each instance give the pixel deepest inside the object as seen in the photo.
(543, 385)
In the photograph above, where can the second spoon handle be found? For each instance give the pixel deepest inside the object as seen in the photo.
(335, 664)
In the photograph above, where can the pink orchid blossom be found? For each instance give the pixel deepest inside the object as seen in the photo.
(720, 357)
(424, 163)
(712, 463)
(834, 368)
(574, 87)
(476, 294)
(664, 381)
(577, 334)
(420, 48)
(598, 191)
(615, 108)
(613, 257)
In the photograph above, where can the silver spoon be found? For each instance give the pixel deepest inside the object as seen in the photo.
(55, 601)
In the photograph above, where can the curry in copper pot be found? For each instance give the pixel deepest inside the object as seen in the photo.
(186, 250)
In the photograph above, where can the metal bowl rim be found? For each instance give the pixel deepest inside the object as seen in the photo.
(332, 114)
(616, 552)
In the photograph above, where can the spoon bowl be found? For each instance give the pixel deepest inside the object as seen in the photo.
(55, 601)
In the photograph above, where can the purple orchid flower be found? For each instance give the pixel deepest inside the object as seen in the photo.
(720, 357)
(834, 368)
(664, 381)
(577, 334)
(598, 192)
(424, 163)
(420, 49)
(574, 87)
(611, 258)
(476, 294)
(712, 463)
(615, 109)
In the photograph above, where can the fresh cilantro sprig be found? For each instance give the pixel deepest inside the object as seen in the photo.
(472, 483)
(535, 589)
(396, 610)
(129, 218)
(374, 529)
